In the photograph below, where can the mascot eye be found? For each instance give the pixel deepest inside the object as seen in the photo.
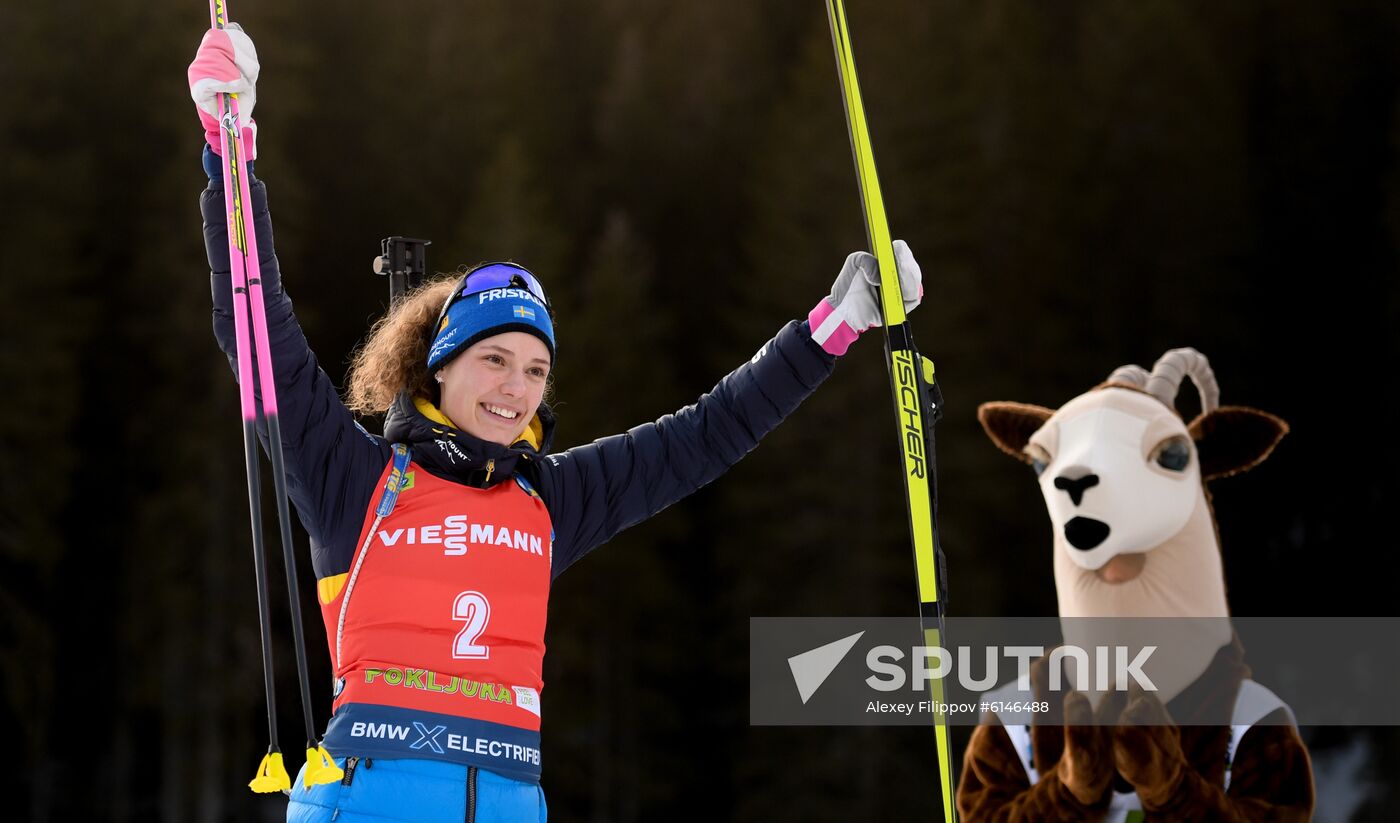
(1038, 456)
(1173, 455)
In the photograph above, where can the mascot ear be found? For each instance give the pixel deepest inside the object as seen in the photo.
(1010, 425)
(1235, 439)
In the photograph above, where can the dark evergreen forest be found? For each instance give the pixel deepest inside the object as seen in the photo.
(1085, 184)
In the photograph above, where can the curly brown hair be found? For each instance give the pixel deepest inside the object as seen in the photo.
(394, 356)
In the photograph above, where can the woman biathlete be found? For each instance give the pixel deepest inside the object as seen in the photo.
(434, 546)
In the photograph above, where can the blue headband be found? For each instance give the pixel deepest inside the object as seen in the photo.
(490, 300)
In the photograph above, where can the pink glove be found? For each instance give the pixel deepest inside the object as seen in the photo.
(226, 62)
(852, 307)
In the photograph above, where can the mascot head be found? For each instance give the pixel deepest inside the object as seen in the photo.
(1123, 477)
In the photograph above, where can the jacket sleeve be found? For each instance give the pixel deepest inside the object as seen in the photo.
(333, 464)
(595, 491)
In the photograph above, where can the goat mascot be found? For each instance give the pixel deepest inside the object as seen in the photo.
(1124, 481)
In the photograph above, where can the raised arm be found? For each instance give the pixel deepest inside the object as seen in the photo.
(332, 463)
(595, 491)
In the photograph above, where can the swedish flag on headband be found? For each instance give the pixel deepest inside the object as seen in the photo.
(525, 312)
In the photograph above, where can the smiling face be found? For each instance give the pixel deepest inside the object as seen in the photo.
(492, 389)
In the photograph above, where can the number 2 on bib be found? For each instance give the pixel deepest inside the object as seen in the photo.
(475, 610)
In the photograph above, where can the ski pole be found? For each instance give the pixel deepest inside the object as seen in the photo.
(249, 312)
(916, 397)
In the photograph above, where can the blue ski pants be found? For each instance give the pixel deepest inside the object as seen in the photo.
(416, 791)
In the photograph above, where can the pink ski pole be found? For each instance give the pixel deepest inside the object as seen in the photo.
(249, 312)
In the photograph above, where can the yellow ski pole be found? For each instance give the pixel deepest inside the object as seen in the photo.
(916, 398)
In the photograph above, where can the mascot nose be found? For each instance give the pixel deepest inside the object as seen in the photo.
(1076, 486)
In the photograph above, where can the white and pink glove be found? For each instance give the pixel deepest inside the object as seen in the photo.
(226, 62)
(853, 305)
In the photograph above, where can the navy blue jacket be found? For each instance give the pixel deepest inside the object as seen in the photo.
(592, 491)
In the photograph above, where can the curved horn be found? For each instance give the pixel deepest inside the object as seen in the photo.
(1132, 374)
(1167, 373)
